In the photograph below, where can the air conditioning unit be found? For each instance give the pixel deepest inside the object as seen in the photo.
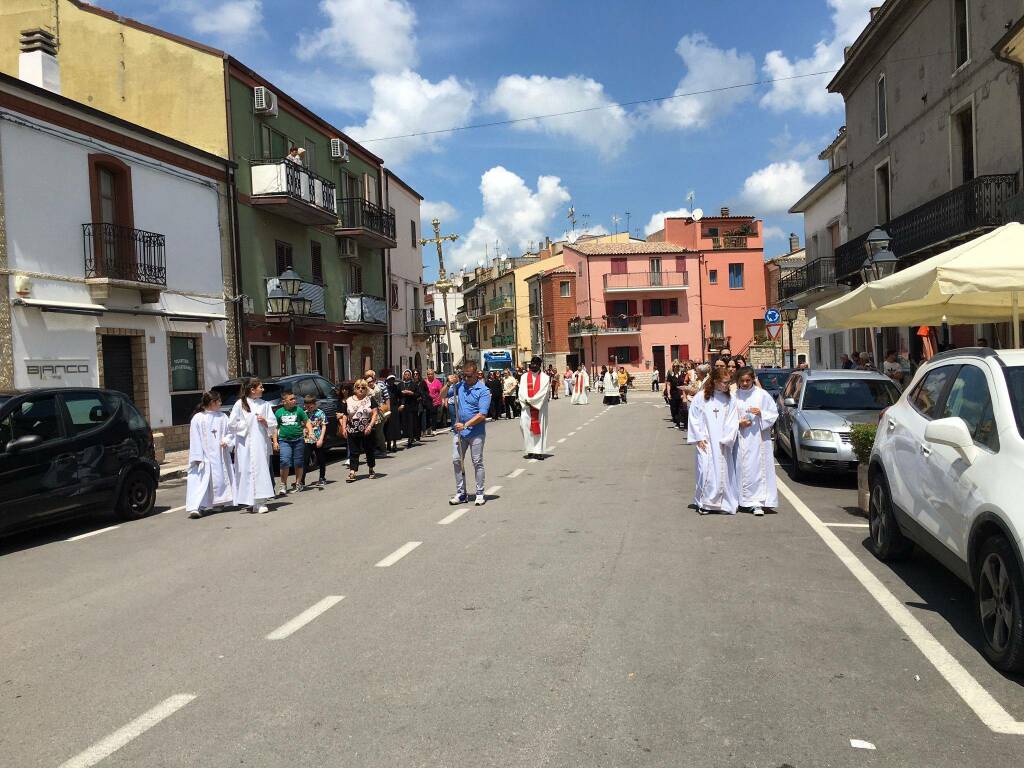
(339, 150)
(347, 248)
(264, 102)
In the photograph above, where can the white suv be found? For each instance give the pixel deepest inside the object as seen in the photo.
(947, 472)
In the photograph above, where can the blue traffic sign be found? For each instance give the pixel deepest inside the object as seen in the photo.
(772, 316)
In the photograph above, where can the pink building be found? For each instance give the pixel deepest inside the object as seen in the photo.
(690, 290)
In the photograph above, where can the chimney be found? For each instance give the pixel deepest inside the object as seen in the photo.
(725, 212)
(794, 242)
(37, 62)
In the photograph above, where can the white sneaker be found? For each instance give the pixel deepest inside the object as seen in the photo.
(195, 514)
(262, 509)
(282, 490)
(758, 512)
(479, 500)
(456, 500)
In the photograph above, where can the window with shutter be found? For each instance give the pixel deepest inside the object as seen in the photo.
(631, 307)
(680, 263)
(634, 354)
(316, 262)
(673, 307)
(618, 266)
(646, 307)
(283, 253)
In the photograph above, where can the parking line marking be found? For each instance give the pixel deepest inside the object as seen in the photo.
(398, 554)
(571, 433)
(516, 472)
(81, 536)
(290, 627)
(847, 525)
(453, 516)
(105, 747)
(562, 440)
(492, 490)
(988, 710)
(173, 510)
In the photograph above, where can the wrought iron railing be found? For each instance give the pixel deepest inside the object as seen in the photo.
(502, 340)
(418, 323)
(606, 325)
(719, 342)
(729, 241)
(982, 203)
(498, 303)
(474, 313)
(357, 213)
(815, 274)
(360, 308)
(639, 281)
(123, 253)
(534, 308)
(283, 177)
(1015, 208)
(315, 292)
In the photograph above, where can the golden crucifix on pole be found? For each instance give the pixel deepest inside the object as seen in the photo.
(442, 284)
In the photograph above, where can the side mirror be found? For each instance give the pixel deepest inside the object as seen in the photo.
(789, 402)
(23, 443)
(954, 433)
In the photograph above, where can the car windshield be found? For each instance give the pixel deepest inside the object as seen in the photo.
(849, 395)
(1015, 386)
(229, 393)
(773, 379)
(4, 399)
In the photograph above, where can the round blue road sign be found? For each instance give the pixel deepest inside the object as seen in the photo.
(772, 316)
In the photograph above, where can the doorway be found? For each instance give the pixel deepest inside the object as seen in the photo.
(659, 361)
(320, 352)
(117, 365)
(342, 367)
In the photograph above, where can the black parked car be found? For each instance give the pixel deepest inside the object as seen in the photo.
(65, 450)
(301, 384)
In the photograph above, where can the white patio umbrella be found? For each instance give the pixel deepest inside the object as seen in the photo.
(977, 282)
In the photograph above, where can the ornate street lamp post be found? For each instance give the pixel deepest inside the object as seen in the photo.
(436, 329)
(789, 310)
(442, 284)
(880, 264)
(285, 303)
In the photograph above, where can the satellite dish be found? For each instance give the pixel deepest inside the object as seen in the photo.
(697, 214)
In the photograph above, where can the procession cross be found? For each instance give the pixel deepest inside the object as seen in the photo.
(437, 239)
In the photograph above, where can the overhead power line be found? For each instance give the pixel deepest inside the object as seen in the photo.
(653, 100)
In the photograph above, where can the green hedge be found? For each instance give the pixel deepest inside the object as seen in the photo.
(863, 436)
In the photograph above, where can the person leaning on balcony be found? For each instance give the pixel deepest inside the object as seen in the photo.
(296, 155)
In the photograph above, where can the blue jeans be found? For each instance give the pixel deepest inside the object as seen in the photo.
(293, 453)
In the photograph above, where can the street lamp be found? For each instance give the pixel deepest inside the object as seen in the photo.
(789, 310)
(285, 303)
(436, 328)
(880, 264)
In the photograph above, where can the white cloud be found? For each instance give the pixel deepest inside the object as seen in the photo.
(404, 103)
(374, 34)
(229, 20)
(437, 209)
(706, 67)
(598, 230)
(809, 94)
(657, 221)
(607, 128)
(774, 188)
(513, 214)
(775, 233)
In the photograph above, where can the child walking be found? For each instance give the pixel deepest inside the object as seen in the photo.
(211, 476)
(714, 427)
(315, 449)
(292, 426)
(755, 460)
(252, 424)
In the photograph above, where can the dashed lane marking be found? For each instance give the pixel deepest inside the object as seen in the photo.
(492, 490)
(81, 536)
(847, 525)
(516, 472)
(561, 440)
(988, 710)
(105, 747)
(173, 510)
(398, 554)
(305, 617)
(453, 516)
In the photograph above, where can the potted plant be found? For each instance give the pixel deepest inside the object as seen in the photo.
(863, 438)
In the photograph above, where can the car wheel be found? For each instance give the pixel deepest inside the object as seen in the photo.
(795, 471)
(999, 592)
(138, 495)
(887, 541)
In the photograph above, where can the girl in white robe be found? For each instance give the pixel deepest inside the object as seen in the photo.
(252, 423)
(211, 475)
(754, 456)
(714, 430)
(580, 385)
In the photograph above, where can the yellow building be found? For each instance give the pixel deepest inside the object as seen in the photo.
(147, 76)
(546, 261)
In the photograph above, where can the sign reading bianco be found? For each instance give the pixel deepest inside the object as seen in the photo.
(67, 372)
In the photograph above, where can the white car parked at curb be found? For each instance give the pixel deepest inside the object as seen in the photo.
(946, 473)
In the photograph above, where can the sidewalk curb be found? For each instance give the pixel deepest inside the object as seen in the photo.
(173, 473)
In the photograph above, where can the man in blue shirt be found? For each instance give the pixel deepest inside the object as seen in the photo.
(468, 403)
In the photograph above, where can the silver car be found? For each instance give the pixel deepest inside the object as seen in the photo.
(817, 409)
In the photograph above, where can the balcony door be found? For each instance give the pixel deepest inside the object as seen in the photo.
(655, 270)
(113, 239)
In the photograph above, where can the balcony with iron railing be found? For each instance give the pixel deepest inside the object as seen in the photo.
(293, 191)
(365, 312)
(500, 304)
(615, 325)
(308, 290)
(729, 242)
(814, 281)
(474, 313)
(366, 222)
(534, 308)
(951, 218)
(123, 257)
(629, 282)
(716, 343)
(502, 340)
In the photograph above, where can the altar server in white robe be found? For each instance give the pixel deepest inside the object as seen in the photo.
(715, 431)
(611, 387)
(211, 475)
(580, 385)
(252, 423)
(754, 457)
(534, 392)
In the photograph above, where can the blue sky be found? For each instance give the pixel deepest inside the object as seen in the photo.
(384, 68)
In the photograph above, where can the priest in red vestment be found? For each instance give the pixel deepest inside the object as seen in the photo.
(534, 392)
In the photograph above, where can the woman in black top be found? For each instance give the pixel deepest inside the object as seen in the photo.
(410, 408)
(497, 395)
(393, 426)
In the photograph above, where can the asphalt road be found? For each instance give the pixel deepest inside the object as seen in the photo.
(583, 617)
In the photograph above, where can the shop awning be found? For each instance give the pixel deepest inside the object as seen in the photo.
(84, 308)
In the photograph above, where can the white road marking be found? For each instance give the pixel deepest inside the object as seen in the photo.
(81, 536)
(532, 461)
(453, 517)
(104, 748)
(988, 710)
(305, 617)
(571, 433)
(847, 525)
(562, 440)
(398, 554)
(861, 744)
(516, 472)
(173, 510)
(492, 490)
